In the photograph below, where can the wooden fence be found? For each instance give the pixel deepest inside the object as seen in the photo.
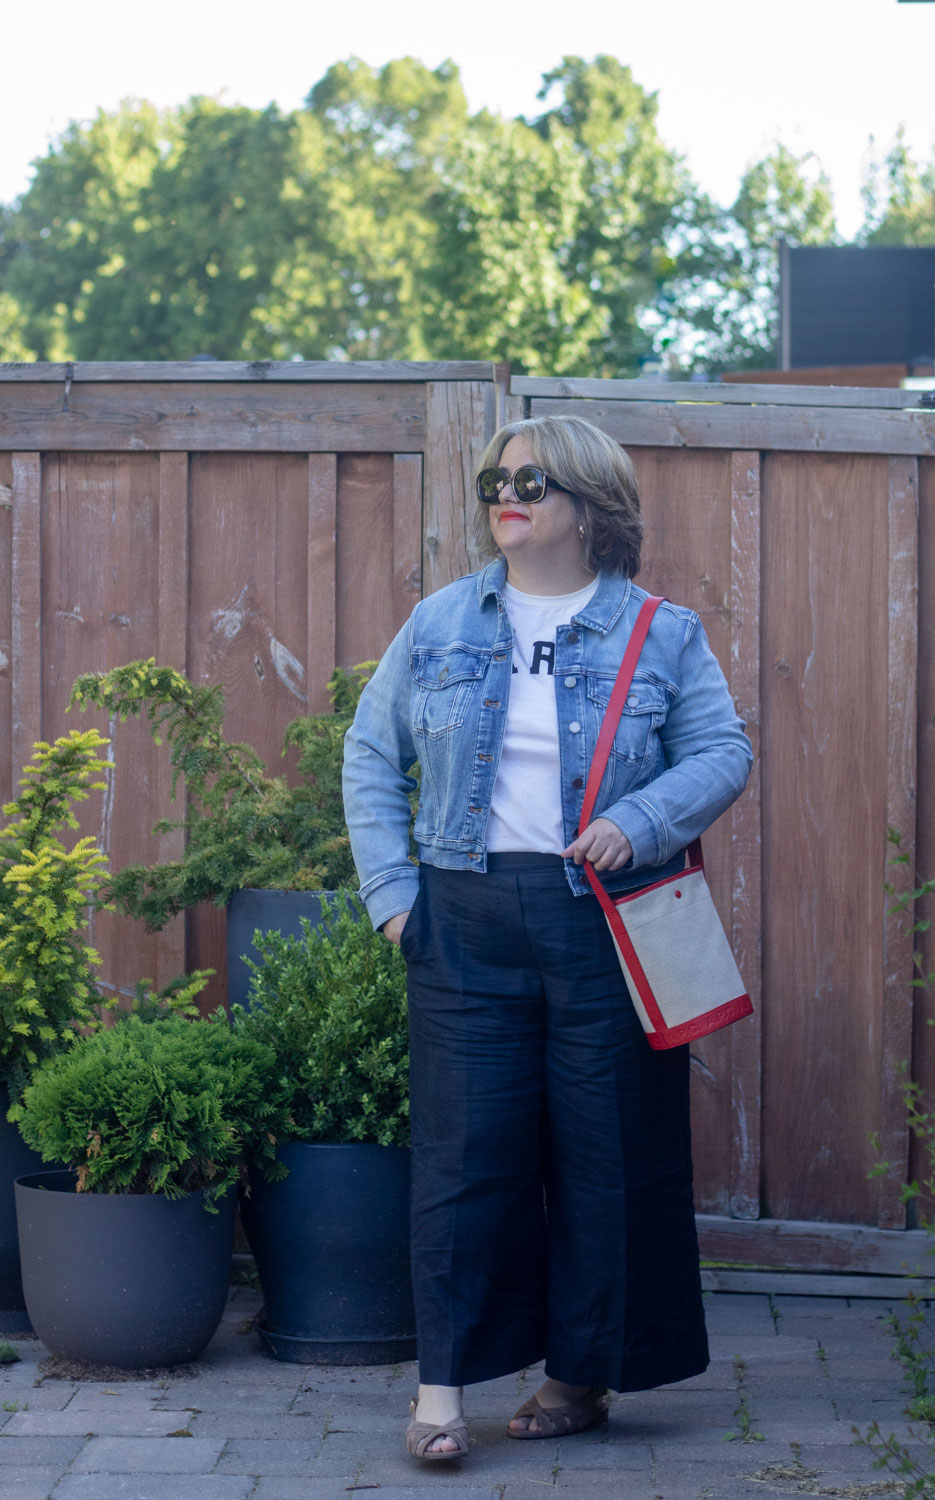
(256, 524)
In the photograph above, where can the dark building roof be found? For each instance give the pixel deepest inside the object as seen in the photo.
(857, 305)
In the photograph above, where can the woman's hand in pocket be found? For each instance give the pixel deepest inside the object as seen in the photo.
(393, 928)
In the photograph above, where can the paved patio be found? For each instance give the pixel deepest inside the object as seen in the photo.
(788, 1378)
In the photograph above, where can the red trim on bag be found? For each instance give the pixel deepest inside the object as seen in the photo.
(692, 1031)
(658, 1034)
(695, 868)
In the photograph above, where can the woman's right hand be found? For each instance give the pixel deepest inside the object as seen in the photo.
(393, 928)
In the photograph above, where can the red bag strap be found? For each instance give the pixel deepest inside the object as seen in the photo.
(615, 707)
(605, 740)
(609, 724)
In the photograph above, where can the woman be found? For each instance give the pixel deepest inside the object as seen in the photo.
(551, 1202)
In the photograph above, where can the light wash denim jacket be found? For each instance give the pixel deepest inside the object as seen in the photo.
(439, 697)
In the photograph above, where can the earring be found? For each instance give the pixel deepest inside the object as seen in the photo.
(581, 531)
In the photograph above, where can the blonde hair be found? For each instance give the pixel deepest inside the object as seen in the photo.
(596, 473)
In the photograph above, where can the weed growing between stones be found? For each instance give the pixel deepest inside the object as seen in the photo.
(913, 1331)
(745, 1432)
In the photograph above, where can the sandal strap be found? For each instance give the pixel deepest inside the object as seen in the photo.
(420, 1434)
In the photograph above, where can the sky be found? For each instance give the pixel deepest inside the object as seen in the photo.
(731, 76)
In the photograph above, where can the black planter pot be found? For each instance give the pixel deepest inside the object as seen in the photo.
(280, 911)
(133, 1280)
(332, 1248)
(15, 1160)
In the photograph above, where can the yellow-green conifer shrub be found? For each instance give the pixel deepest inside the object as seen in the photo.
(47, 990)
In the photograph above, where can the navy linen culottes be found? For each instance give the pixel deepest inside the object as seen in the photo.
(552, 1185)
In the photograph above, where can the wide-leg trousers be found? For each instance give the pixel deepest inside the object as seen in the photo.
(552, 1210)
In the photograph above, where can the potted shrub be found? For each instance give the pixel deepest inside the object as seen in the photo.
(253, 841)
(126, 1254)
(331, 1239)
(47, 991)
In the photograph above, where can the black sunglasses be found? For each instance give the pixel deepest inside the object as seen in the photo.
(529, 484)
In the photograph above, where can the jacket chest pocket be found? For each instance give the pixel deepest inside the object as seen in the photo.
(643, 712)
(445, 683)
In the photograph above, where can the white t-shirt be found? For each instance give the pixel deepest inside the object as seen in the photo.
(526, 807)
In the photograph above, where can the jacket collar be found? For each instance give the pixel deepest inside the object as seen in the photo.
(601, 612)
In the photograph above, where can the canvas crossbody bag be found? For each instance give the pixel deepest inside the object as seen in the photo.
(673, 950)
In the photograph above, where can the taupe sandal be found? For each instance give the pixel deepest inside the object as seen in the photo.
(420, 1434)
(562, 1421)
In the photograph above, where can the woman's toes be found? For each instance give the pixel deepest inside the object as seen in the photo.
(442, 1444)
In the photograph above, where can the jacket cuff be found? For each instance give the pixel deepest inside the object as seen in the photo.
(642, 827)
(390, 894)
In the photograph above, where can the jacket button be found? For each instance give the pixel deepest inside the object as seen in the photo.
(574, 727)
(578, 783)
(572, 637)
(570, 681)
(632, 701)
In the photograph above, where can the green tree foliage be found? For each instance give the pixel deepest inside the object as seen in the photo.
(720, 306)
(899, 198)
(631, 188)
(379, 221)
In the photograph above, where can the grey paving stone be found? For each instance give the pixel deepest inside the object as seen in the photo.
(33, 1483)
(80, 1422)
(155, 1487)
(24, 1451)
(148, 1455)
(265, 1457)
(269, 1426)
(335, 1489)
(719, 1376)
(133, 1395)
(37, 1397)
(233, 1398)
(760, 1346)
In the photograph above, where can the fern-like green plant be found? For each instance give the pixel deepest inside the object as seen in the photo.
(244, 828)
(47, 990)
(332, 1006)
(169, 1107)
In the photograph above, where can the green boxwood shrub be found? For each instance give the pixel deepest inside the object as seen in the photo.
(332, 1006)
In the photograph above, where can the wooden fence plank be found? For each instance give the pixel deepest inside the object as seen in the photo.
(26, 694)
(687, 555)
(248, 630)
(407, 535)
(322, 539)
(214, 371)
(99, 560)
(172, 651)
(776, 428)
(459, 421)
(539, 387)
(365, 583)
(746, 1038)
(824, 704)
(6, 623)
(804, 1244)
(923, 1048)
(898, 945)
(290, 417)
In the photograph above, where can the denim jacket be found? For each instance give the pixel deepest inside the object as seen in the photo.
(439, 697)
